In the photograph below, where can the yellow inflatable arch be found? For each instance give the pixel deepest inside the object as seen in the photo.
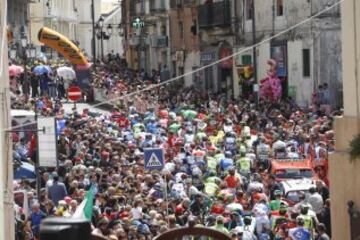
(62, 45)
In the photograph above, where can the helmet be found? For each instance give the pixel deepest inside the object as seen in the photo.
(300, 220)
(228, 154)
(196, 171)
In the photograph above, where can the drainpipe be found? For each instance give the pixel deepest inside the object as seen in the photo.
(273, 17)
(254, 51)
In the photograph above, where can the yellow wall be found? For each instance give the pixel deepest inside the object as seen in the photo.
(345, 175)
(351, 41)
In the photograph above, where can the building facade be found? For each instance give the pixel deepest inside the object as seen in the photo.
(303, 54)
(147, 47)
(73, 19)
(111, 14)
(201, 32)
(17, 17)
(59, 15)
(185, 51)
(344, 173)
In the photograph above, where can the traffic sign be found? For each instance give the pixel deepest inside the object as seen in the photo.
(74, 93)
(154, 158)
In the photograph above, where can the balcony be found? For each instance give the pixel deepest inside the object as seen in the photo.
(159, 41)
(216, 14)
(189, 2)
(175, 4)
(157, 6)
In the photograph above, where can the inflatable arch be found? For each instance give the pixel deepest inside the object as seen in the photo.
(63, 46)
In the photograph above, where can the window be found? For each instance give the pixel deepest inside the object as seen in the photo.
(193, 28)
(306, 62)
(246, 59)
(249, 10)
(163, 30)
(279, 7)
(181, 30)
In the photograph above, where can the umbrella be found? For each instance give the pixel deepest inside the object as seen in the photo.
(66, 73)
(15, 70)
(26, 170)
(41, 69)
(234, 207)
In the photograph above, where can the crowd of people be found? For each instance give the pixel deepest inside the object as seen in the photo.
(217, 172)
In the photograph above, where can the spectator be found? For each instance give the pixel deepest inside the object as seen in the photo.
(57, 191)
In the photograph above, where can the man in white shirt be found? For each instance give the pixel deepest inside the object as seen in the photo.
(315, 200)
(136, 211)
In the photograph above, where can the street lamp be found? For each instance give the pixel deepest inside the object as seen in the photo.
(121, 30)
(105, 34)
(24, 43)
(109, 30)
(13, 52)
(99, 28)
(101, 22)
(32, 52)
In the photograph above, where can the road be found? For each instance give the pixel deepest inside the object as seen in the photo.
(81, 106)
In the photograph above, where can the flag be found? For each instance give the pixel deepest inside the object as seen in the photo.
(85, 209)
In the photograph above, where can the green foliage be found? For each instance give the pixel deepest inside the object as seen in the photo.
(354, 150)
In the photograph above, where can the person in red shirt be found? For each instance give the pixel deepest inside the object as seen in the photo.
(122, 121)
(232, 181)
(241, 197)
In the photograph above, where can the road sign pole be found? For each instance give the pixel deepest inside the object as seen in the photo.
(166, 197)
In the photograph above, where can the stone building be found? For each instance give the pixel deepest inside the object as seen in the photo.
(147, 47)
(201, 32)
(307, 56)
(59, 15)
(17, 17)
(73, 19)
(185, 49)
(344, 173)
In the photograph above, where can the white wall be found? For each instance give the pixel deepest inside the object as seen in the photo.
(84, 36)
(304, 85)
(115, 42)
(263, 53)
(192, 59)
(294, 12)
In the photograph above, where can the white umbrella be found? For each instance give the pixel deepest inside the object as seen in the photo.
(66, 72)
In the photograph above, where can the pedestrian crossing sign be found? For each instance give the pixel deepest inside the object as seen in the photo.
(154, 158)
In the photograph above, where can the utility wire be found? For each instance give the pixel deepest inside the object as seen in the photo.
(328, 8)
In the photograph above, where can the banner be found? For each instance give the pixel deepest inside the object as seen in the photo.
(47, 142)
(278, 53)
(62, 45)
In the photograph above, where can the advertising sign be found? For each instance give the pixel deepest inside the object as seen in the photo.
(47, 142)
(278, 53)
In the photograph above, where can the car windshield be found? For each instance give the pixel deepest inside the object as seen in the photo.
(294, 173)
(294, 196)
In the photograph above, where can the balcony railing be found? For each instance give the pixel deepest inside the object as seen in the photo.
(157, 6)
(216, 14)
(188, 2)
(159, 41)
(175, 4)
